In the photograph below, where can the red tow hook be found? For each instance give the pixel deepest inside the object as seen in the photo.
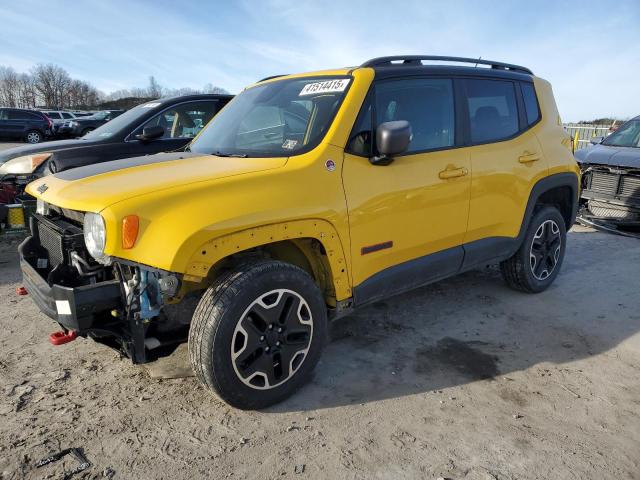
(21, 291)
(61, 337)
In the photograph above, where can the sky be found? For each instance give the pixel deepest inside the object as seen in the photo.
(588, 50)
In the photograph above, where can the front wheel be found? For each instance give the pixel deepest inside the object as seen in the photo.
(537, 262)
(257, 333)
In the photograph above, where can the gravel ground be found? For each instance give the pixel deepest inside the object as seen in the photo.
(464, 379)
(461, 379)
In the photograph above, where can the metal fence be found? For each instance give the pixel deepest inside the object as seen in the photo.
(582, 134)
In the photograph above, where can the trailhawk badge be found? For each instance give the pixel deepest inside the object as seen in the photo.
(42, 188)
(330, 164)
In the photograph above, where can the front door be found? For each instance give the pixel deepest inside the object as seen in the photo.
(407, 219)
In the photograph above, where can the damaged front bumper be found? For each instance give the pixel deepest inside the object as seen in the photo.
(119, 305)
(75, 308)
(611, 194)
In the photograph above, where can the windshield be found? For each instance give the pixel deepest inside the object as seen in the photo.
(281, 118)
(628, 135)
(114, 126)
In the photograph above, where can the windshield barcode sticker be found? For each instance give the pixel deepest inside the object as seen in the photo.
(328, 86)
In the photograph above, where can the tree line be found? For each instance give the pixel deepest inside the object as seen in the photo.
(51, 86)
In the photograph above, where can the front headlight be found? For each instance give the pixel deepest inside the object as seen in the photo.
(23, 165)
(95, 235)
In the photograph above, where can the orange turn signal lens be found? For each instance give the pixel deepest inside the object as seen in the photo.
(130, 225)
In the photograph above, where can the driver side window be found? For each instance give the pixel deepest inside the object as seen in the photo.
(182, 121)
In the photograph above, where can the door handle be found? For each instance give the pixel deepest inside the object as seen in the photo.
(452, 173)
(527, 157)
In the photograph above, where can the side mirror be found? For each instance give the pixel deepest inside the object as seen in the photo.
(392, 138)
(151, 133)
(596, 140)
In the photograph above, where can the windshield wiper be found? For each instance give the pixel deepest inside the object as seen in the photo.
(236, 155)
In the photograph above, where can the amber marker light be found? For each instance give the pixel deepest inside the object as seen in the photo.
(130, 225)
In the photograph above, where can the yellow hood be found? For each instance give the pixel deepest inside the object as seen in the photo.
(95, 187)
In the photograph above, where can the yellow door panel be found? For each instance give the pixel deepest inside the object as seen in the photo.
(503, 175)
(419, 202)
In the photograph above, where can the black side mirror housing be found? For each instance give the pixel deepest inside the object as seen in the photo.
(595, 140)
(392, 138)
(151, 133)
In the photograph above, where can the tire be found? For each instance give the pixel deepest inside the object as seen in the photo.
(257, 333)
(33, 136)
(86, 130)
(535, 266)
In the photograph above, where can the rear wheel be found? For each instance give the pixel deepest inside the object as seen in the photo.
(537, 262)
(33, 136)
(257, 334)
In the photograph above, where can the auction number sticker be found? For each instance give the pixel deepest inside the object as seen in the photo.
(329, 86)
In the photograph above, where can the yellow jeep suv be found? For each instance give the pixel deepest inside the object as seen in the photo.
(307, 196)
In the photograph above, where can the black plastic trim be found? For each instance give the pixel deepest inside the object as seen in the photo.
(409, 275)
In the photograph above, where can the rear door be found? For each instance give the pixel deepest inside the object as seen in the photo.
(506, 160)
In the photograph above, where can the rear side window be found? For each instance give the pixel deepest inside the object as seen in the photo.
(427, 104)
(530, 103)
(20, 115)
(493, 112)
(66, 115)
(17, 115)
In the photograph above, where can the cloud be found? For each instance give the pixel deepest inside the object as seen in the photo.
(589, 53)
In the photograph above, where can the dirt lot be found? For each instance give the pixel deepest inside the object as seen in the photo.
(6, 144)
(462, 379)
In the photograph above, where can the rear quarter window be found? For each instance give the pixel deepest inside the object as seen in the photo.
(530, 103)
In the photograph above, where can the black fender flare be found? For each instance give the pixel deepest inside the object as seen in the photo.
(565, 179)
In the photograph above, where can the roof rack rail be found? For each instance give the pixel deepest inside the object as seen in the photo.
(417, 60)
(272, 76)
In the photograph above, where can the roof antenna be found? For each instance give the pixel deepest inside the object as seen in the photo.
(479, 58)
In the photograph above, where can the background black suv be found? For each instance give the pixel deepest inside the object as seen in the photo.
(29, 125)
